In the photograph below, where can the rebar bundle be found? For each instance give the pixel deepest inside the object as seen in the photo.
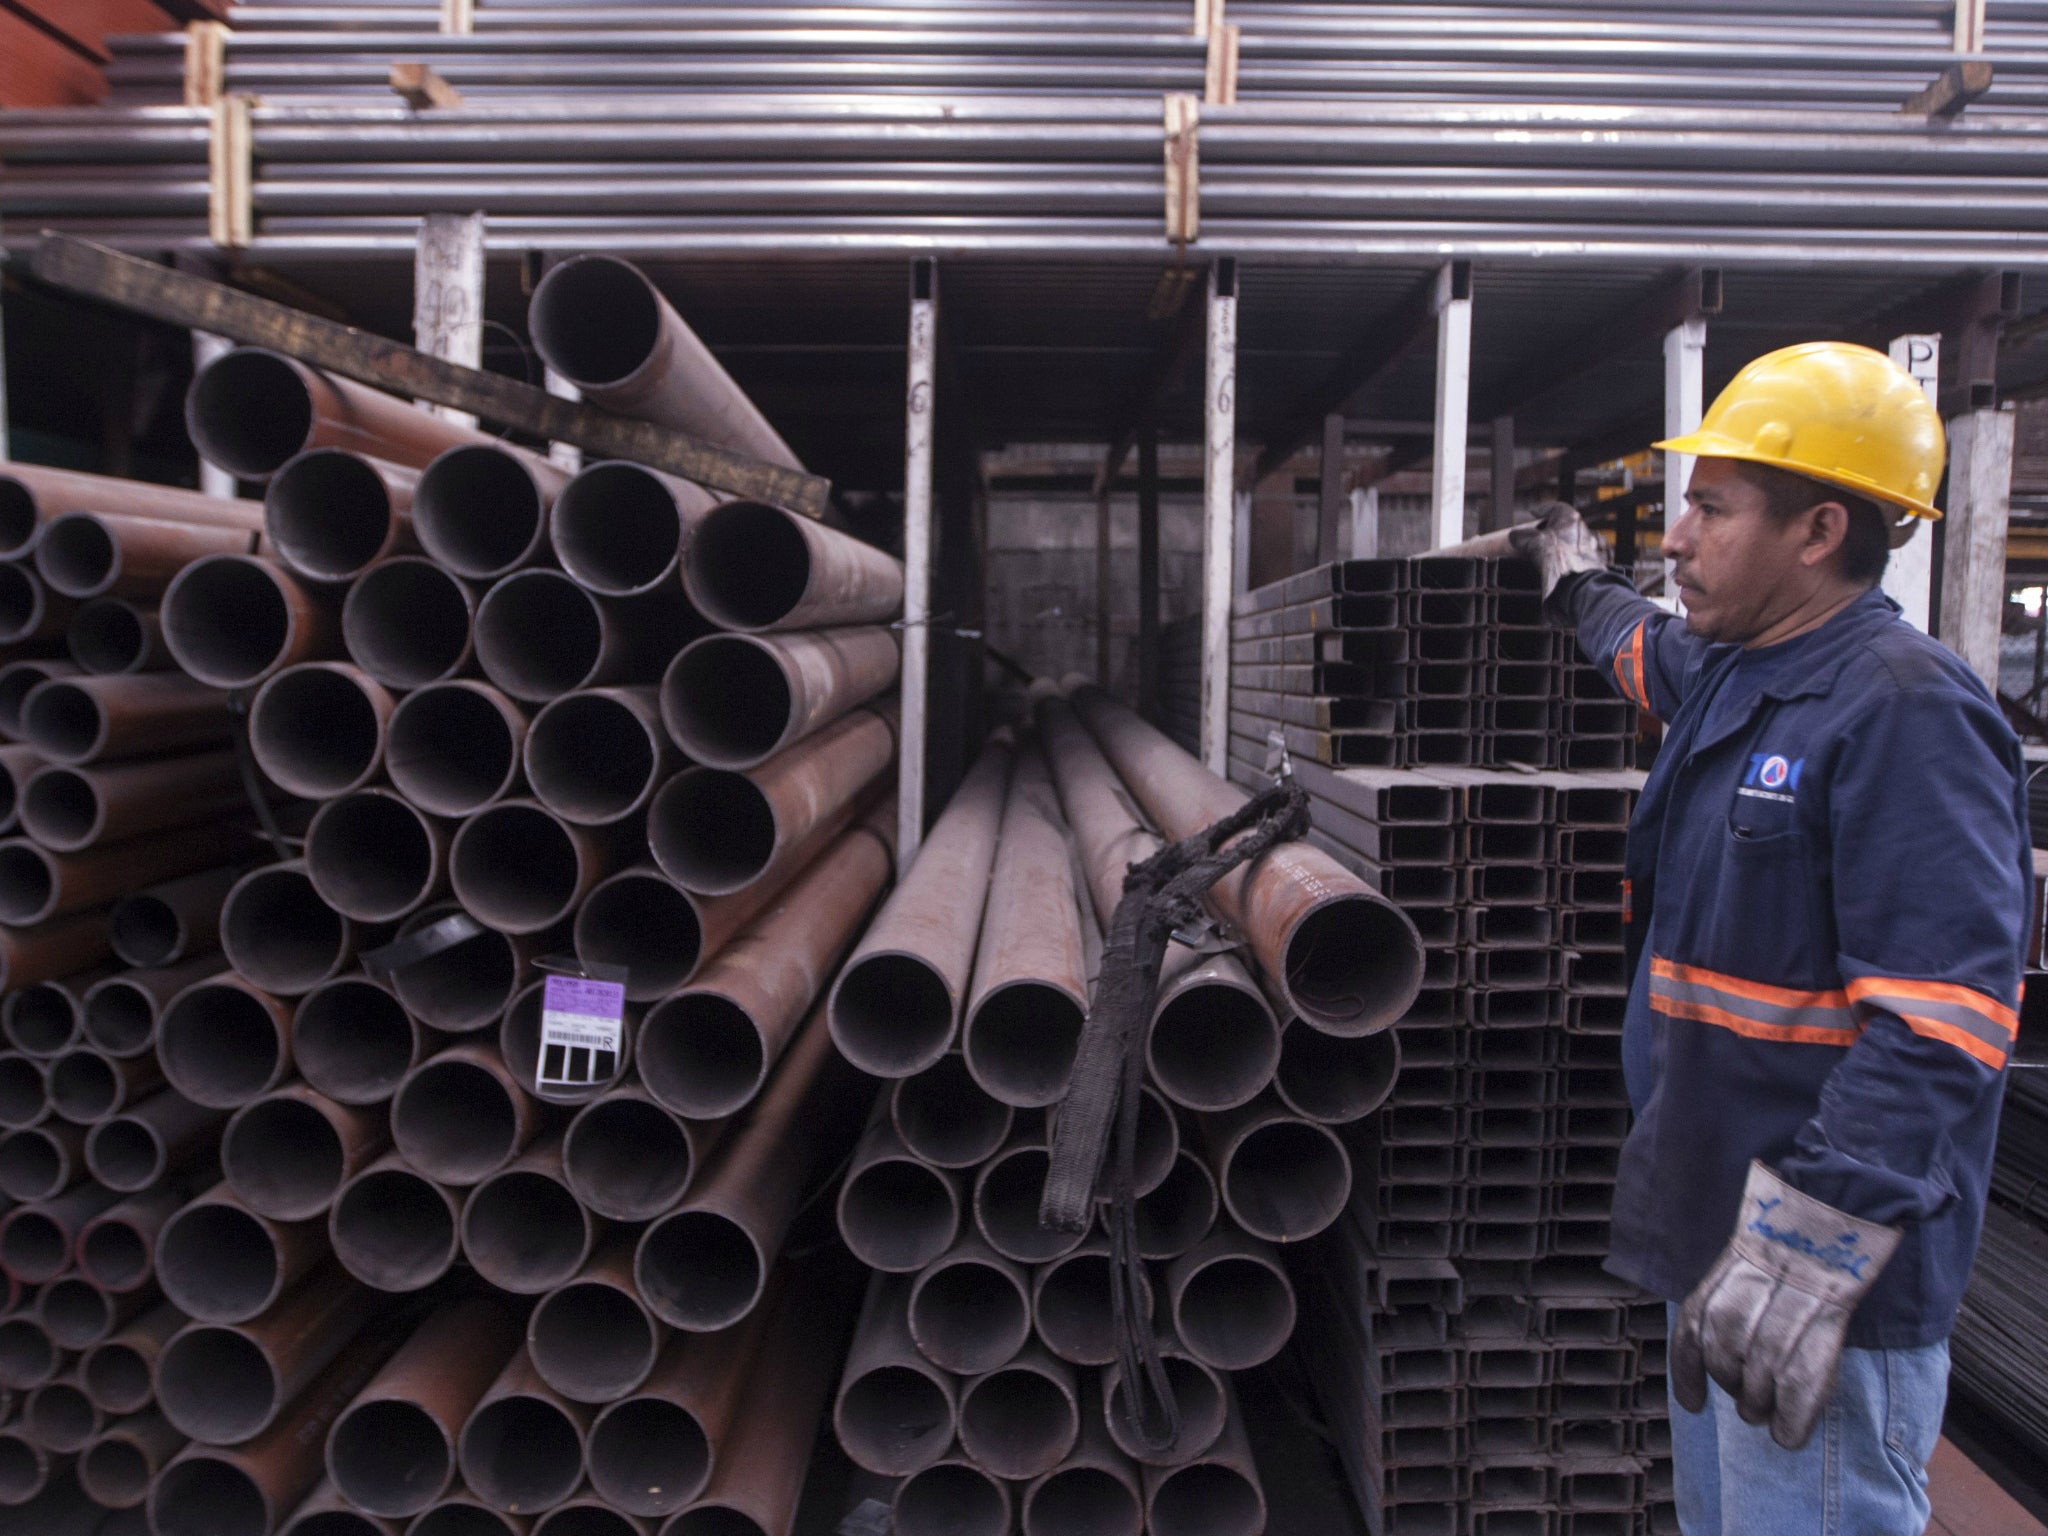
(407, 1105)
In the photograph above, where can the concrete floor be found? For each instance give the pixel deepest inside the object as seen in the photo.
(1968, 1503)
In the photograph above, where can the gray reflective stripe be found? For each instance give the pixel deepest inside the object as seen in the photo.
(1777, 1015)
(1967, 1019)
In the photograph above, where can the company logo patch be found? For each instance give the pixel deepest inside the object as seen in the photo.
(1772, 776)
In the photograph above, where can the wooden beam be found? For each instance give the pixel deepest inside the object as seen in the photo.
(1952, 90)
(126, 282)
(421, 87)
(231, 174)
(206, 51)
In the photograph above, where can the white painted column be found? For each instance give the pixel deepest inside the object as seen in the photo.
(213, 481)
(1909, 578)
(1685, 387)
(917, 558)
(1453, 409)
(1220, 565)
(448, 295)
(1364, 543)
(1973, 545)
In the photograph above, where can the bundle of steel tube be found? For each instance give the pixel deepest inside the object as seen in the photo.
(440, 1152)
(985, 1356)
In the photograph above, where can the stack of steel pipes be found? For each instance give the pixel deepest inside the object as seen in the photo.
(983, 1374)
(438, 1162)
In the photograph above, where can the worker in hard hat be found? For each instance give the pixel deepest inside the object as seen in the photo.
(1829, 879)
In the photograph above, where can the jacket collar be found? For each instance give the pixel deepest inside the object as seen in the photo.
(1830, 648)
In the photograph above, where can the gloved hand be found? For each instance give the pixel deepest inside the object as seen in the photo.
(1768, 1321)
(1559, 542)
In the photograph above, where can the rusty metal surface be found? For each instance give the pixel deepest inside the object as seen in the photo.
(218, 1261)
(734, 701)
(480, 510)
(523, 1229)
(67, 808)
(460, 1116)
(752, 567)
(330, 514)
(521, 1449)
(455, 747)
(287, 1154)
(224, 1042)
(619, 528)
(594, 1339)
(596, 755)
(111, 554)
(233, 620)
(85, 719)
(393, 1228)
(319, 729)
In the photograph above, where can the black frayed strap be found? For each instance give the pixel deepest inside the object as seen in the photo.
(252, 779)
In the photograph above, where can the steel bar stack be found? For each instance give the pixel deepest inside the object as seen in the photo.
(1436, 660)
(2000, 1350)
(409, 1095)
(983, 1375)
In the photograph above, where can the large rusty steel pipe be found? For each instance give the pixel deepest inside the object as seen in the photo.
(18, 679)
(951, 1498)
(18, 765)
(44, 1018)
(38, 1164)
(117, 1248)
(223, 1384)
(251, 411)
(660, 933)
(735, 701)
(37, 884)
(408, 623)
(539, 635)
(752, 567)
(1233, 1305)
(374, 858)
(461, 1515)
(32, 495)
(601, 324)
(24, 1091)
(331, 514)
(135, 1149)
(589, 1517)
(895, 1411)
(121, 1011)
(1336, 1079)
(220, 1262)
(629, 1159)
(324, 1512)
(706, 1051)
(945, 1117)
(461, 1116)
(233, 620)
(716, 831)
(29, 610)
(1216, 1493)
(125, 1457)
(519, 868)
(1196, 1388)
(896, 1213)
(391, 1452)
(706, 1264)
(482, 512)
(120, 1373)
(1094, 1492)
(1021, 1419)
(31, 1471)
(1347, 960)
(519, 1045)
(896, 1006)
(467, 986)
(355, 1042)
(102, 554)
(287, 1154)
(454, 747)
(1282, 1178)
(318, 729)
(87, 1087)
(28, 1355)
(78, 1314)
(61, 1418)
(247, 1489)
(1071, 1308)
(523, 1229)
(177, 920)
(1007, 1190)
(392, 1228)
(596, 756)
(37, 1241)
(112, 637)
(594, 1339)
(1030, 993)
(224, 1042)
(619, 528)
(522, 1447)
(970, 1309)
(651, 1453)
(69, 809)
(85, 719)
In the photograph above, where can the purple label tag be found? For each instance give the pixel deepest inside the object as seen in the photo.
(581, 1030)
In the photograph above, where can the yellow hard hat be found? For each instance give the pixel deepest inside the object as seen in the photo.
(1833, 411)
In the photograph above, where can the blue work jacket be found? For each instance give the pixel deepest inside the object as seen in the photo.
(1830, 881)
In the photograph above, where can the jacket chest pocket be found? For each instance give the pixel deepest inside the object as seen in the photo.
(1762, 908)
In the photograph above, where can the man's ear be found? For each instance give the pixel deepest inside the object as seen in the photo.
(1827, 527)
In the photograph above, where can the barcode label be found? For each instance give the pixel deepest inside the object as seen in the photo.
(581, 1031)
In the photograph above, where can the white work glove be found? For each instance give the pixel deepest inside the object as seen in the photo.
(1559, 543)
(1769, 1320)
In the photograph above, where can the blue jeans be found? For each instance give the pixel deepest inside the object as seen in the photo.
(1864, 1472)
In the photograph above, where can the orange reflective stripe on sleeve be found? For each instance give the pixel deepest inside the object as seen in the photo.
(1628, 668)
(1972, 1021)
(1753, 1009)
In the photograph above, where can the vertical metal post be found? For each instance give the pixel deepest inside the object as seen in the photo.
(920, 413)
(1685, 385)
(1453, 402)
(1364, 543)
(1501, 452)
(1909, 578)
(1148, 568)
(1980, 447)
(1220, 514)
(1102, 586)
(213, 480)
(1330, 497)
(448, 295)
(565, 456)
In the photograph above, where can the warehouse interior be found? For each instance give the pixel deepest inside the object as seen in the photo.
(595, 599)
